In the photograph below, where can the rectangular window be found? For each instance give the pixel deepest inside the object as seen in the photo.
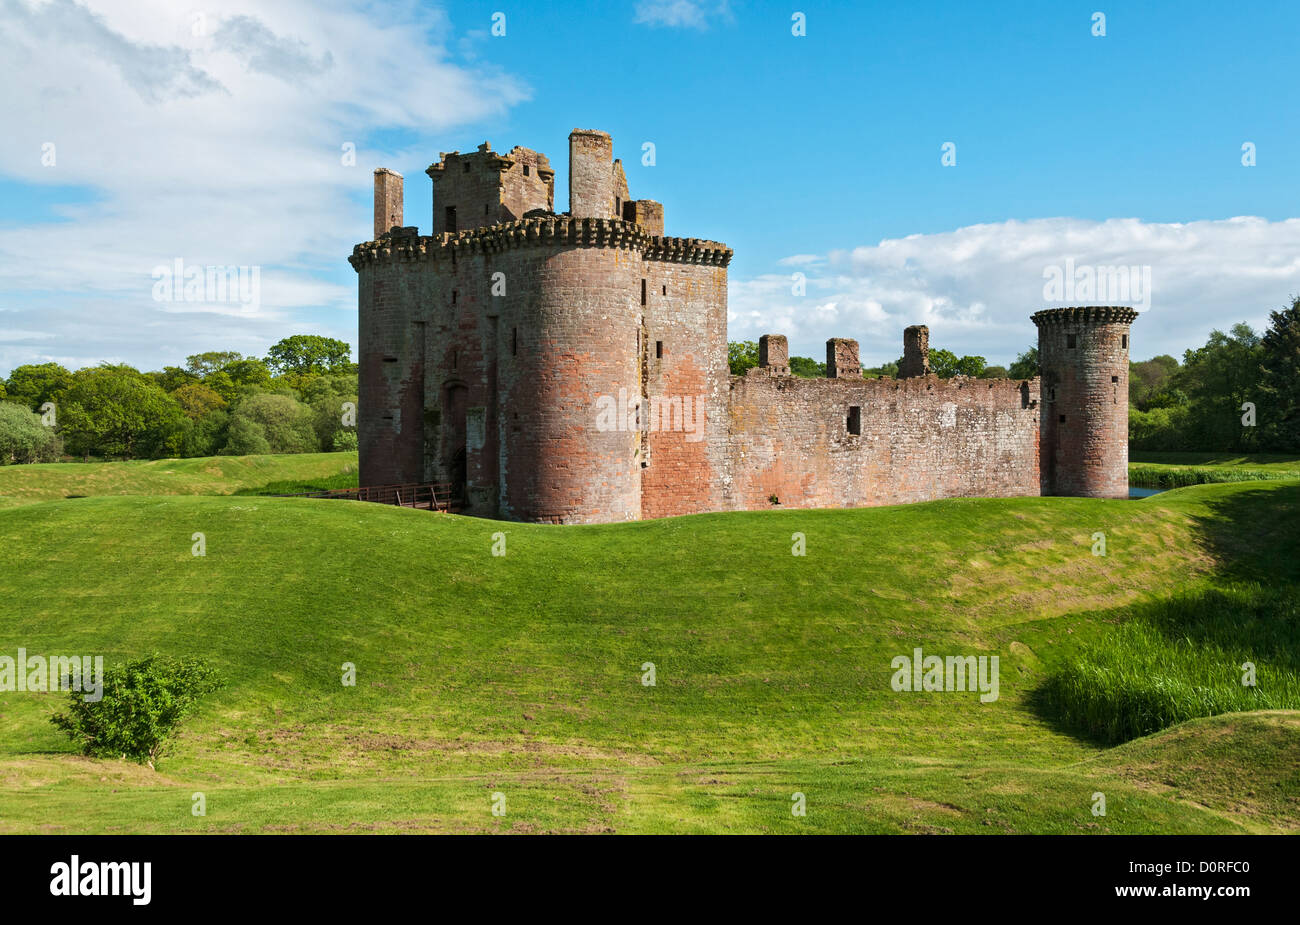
(450, 221)
(1071, 340)
(514, 341)
(1123, 340)
(642, 292)
(1061, 420)
(390, 359)
(467, 167)
(855, 419)
(1114, 378)
(659, 350)
(453, 297)
(665, 289)
(455, 358)
(525, 170)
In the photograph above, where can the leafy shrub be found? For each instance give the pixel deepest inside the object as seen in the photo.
(142, 702)
(345, 441)
(271, 423)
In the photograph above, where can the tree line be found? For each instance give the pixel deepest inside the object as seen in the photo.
(299, 398)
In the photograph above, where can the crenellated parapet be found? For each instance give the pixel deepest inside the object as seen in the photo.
(403, 244)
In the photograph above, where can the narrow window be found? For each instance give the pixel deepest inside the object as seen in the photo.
(659, 350)
(390, 359)
(665, 289)
(1051, 396)
(467, 166)
(1123, 341)
(451, 218)
(855, 419)
(455, 358)
(514, 341)
(485, 210)
(642, 292)
(525, 170)
(1070, 341)
(453, 297)
(1061, 419)
(618, 207)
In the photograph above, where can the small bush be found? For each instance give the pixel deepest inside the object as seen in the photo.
(142, 702)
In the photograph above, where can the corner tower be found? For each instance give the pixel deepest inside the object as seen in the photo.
(1083, 357)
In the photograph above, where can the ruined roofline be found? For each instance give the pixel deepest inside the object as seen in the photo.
(493, 159)
(406, 244)
(924, 383)
(1086, 314)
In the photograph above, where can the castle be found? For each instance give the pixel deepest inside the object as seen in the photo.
(572, 368)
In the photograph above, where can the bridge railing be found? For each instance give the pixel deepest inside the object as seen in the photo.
(428, 496)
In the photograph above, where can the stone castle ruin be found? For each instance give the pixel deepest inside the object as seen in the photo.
(572, 368)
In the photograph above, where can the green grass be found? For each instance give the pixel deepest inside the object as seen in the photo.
(1181, 659)
(210, 475)
(1176, 470)
(522, 674)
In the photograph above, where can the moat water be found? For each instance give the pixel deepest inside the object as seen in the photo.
(1135, 492)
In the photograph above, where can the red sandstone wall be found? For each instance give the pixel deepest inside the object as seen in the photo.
(686, 311)
(920, 439)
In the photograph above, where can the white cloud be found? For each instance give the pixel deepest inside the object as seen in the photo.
(977, 286)
(222, 147)
(691, 14)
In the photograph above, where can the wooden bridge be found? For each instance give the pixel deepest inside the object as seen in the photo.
(425, 496)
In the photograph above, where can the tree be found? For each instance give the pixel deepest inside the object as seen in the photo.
(742, 355)
(995, 372)
(203, 364)
(24, 439)
(197, 400)
(1025, 365)
(172, 378)
(1279, 387)
(309, 353)
(1218, 378)
(807, 368)
(889, 369)
(1150, 381)
(115, 411)
(34, 385)
(945, 364)
(266, 423)
(239, 378)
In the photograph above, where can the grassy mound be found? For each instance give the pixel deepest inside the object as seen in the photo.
(524, 674)
(209, 475)
(1241, 765)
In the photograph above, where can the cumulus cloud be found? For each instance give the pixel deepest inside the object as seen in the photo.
(217, 138)
(975, 287)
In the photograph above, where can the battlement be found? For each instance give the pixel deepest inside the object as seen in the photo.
(1086, 314)
(540, 231)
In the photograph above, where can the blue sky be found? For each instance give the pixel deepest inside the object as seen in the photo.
(218, 142)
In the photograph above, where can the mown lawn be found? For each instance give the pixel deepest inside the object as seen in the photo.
(522, 674)
(209, 475)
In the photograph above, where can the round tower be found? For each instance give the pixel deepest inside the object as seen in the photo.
(1083, 358)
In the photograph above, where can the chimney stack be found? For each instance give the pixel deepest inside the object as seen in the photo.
(388, 200)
